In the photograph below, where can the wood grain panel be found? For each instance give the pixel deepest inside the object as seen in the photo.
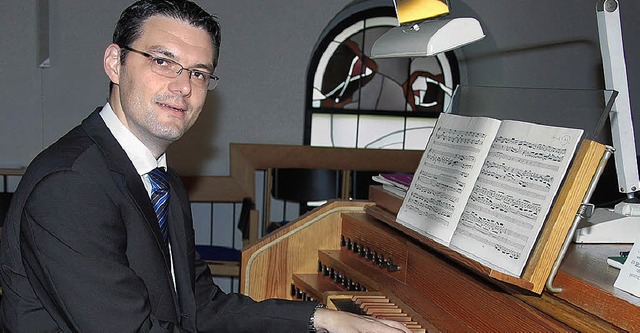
(452, 296)
(245, 159)
(268, 265)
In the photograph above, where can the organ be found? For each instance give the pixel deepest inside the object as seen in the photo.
(352, 255)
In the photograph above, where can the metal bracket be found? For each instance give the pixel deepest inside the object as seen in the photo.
(585, 210)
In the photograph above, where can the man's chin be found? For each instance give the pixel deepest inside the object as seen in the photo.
(170, 134)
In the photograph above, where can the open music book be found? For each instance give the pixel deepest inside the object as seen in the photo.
(484, 187)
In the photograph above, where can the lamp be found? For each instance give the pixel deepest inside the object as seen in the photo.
(622, 224)
(423, 30)
(427, 38)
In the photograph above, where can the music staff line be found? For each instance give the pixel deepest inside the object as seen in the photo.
(417, 210)
(448, 171)
(530, 145)
(453, 160)
(426, 190)
(522, 161)
(512, 254)
(510, 179)
(492, 230)
(522, 177)
(529, 153)
(533, 195)
(435, 205)
(519, 208)
(499, 216)
(455, 147)
(459, 136)
(441, 182)
(481, 207)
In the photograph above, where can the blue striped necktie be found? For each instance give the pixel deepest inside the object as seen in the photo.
(160, 198)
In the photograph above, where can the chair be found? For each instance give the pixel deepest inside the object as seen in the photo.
(301, 186)
(360, 182)
(222, 261)
(305, 185)
(225, 261)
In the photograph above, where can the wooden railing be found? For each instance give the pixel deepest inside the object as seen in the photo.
(246, 159)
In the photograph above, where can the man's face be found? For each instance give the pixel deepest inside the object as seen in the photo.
(158, 110)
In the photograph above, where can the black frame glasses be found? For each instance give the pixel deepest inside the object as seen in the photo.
(172, 69)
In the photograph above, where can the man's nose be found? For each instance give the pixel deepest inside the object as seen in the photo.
(181, 83)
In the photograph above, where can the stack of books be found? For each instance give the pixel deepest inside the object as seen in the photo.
(396, 183)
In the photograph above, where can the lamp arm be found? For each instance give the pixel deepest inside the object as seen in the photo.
(615, 75)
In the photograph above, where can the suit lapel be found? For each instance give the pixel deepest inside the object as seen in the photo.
(179, 220)
(125, 173)
(181, 236)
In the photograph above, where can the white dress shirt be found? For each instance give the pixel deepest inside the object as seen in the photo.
(141, 157)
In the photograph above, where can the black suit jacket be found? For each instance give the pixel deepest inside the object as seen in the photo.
(82, 251)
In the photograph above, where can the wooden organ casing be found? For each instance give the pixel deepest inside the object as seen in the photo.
(341, 250)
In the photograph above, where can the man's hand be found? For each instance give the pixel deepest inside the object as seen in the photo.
(345, 322)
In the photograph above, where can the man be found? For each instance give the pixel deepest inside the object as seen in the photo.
(95, 241)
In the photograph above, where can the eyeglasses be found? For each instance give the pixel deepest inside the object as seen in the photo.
(169, 68)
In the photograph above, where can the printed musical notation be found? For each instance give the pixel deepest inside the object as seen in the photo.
(484, 187)
(514, 193)
(429, 191)
(493, 233)
(451, 160)
(498, 155)
(458, 136)
(513, 254)
(536, 151)
(629, 276)
(483, 224)
(502, 202)
(433, 196)
(436, 209)
(524, 178)
(449, 167)
(440, 183)
(506, 253)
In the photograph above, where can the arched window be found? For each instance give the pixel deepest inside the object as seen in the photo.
(355, 101)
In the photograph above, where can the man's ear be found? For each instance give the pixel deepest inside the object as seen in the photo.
(112, 63)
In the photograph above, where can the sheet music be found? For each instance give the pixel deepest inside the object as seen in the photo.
(444, 179)
(514, 193)
(629, 276)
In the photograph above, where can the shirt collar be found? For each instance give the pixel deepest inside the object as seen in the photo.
(141, 157)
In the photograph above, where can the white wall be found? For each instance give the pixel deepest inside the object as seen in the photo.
(546, 44)
(20, 89)
(260, 99)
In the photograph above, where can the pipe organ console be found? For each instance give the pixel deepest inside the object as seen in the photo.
(347, 256)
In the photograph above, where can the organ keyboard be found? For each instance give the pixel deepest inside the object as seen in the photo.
(343, 256)
(376, 305)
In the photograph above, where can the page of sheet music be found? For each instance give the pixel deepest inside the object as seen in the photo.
(444, 179)
(629, 276)
(514, 193)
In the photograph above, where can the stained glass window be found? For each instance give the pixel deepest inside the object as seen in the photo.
(356, 101)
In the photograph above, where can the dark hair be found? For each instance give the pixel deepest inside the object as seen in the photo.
(129, 26)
